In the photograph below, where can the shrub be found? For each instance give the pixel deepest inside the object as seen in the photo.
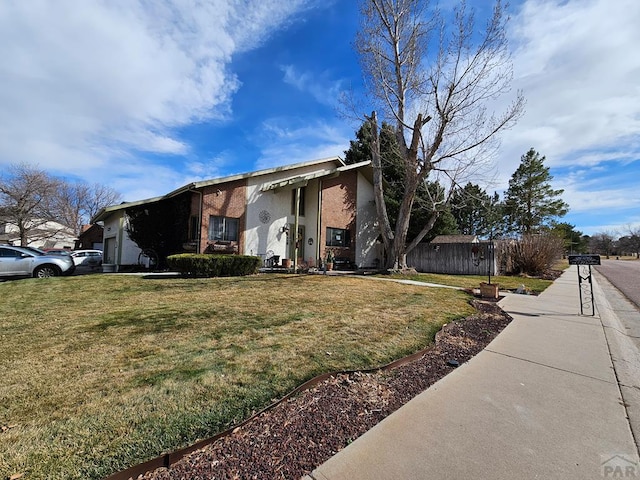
(530, 255)
(207, 265)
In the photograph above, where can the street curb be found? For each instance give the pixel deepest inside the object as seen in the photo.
(620, 346)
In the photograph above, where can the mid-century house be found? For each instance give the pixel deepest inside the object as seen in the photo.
(90, 238)
(294, 212)
(42, 234)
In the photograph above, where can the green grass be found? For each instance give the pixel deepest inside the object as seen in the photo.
(535, 285)
(102, 372)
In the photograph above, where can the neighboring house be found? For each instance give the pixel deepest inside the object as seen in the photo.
(42, 234)
(455, 255)
(90, 238)
(329, 204)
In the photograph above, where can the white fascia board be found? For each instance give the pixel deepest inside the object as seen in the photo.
(300, 180)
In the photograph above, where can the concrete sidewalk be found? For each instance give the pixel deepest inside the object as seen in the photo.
(541, 401)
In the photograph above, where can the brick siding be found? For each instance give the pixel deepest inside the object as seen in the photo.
(339, 211)
(224, 200)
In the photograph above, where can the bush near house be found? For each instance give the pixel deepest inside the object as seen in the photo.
(206, 265)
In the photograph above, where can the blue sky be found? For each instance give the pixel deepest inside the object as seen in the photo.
(146, 96)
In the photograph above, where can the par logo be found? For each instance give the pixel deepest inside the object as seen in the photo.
(619, 466)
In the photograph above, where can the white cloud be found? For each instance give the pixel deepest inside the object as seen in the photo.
(85, 84)
(318, 85)
(283, 144)
(578, 66)
(581, 200)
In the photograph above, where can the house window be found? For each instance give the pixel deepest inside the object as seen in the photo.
(338, 237)
(223, 229)
(303, 192)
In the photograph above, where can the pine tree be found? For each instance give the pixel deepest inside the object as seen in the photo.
(573, 240)
(531, 205)
(475, 211)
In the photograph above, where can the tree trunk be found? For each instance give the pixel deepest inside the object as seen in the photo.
(398, 261)
(378, 191)
(394, 240)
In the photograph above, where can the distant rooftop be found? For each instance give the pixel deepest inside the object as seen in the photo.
(455, 239)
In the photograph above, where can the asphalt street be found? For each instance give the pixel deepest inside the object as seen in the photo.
(624, 275)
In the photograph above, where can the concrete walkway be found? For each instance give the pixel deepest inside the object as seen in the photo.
(542, 401)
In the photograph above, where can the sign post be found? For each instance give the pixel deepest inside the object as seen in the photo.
(585, 285)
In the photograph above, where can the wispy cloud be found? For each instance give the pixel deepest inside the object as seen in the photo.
(319, 85)
(85, 84)
(578, 67)
(282, 144)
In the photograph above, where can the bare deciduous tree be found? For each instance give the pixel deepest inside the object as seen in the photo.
(31, 199)
(435, 81)
(25, 197)
(603, 242)
(77, 203)
(630, 243)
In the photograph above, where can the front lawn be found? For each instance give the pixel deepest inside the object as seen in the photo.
(102, 372)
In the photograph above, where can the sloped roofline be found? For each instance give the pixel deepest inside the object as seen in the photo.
(340, 167)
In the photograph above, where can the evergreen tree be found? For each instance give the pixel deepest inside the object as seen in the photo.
(573, 240)
(475, 211)
(429, 195)
(531, 204)
(160, 226)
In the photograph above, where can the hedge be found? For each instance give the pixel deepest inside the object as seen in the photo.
(211, 265)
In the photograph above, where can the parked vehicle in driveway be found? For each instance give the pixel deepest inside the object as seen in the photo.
(88, 259)
(23, 262)
(57, 251)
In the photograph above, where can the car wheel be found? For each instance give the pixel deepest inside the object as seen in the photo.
(46, 271)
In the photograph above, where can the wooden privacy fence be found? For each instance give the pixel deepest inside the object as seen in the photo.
(453, 258)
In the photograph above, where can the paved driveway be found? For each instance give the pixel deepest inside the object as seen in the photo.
(624, 275)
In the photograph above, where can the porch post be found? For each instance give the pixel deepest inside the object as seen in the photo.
(295, 230)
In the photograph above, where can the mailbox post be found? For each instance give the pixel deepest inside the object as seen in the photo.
(585, 284)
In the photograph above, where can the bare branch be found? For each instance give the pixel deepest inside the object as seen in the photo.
(437, 81)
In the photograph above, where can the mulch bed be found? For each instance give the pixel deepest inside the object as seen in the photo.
(304, 431)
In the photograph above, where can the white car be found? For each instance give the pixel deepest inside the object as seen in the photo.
(87, 259)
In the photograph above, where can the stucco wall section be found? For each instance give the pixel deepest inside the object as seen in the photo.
(225, 200)
(369, 252)
(262, 237)
(339, 206)
(125, 251)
